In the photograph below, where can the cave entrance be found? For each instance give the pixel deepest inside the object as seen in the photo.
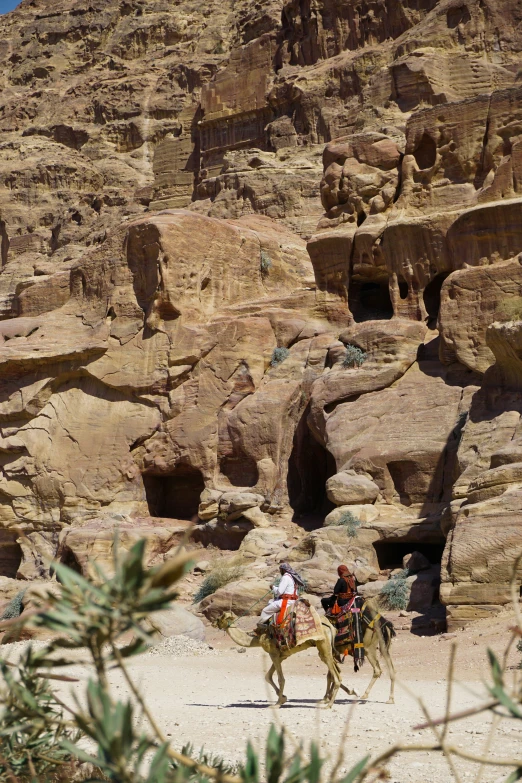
(432, 298)
(390, 553)
(175, 495)
(10, 554)
(240, 470)
(425, 153)
(309, 467)
(69, 559)
(370, 300)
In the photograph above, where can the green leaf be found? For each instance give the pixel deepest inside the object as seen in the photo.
(274, 758)
(496, 671)
(516, 775)
(250, 772)
(499, 693)
(160, 765)
(316, 762)
(354, 773)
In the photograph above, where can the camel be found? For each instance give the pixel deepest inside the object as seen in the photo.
(374, 641)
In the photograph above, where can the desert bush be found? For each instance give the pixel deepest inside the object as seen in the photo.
(220, 576)
(394, 594)
(354, 356)
(278, 356)
(349, 521)
(265, 263)
(511, 309)
(15, 607)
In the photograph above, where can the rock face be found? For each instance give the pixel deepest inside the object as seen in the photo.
(257, 262)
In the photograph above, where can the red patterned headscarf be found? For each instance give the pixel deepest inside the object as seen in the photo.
(342, 570)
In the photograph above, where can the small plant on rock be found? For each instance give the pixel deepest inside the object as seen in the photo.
(354, 356)
(15, 607)
(394, 594)
(265, 263)
(511, 309)
(349, 521)
(278, 356)
(220, 576)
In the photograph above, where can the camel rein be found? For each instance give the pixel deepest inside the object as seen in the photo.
(231, 623)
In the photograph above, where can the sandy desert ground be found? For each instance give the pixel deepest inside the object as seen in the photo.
(217, 699)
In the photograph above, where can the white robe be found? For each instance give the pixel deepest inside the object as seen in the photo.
(285, 587)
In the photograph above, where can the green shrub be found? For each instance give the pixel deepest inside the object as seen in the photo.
(219, 577)
(354, 356)
(349, 521)
(15, 607)
(511, 309)
(278, 356)
(265, 263)
(394, 594)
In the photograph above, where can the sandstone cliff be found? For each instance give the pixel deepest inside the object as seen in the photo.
(204, 211)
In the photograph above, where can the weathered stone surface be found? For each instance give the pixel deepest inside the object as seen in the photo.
(347, 487)
(82, 547)
(237, 597)
(177, 621)
(169, 349)
(261, 543)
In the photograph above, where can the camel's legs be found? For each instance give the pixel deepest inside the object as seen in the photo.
(371, 654)
(279, 669)
(269, 677)
(333, 682)
(391, 669)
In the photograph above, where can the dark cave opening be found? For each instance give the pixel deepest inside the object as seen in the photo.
(240, 470)
(10, 554)
(425, 153)
(370, 300)
(390, 553)
(69, 559)
(403, 288)
(175, 495)
(309, 467)
(432, 296)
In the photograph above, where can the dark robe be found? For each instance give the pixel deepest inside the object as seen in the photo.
(341, 586)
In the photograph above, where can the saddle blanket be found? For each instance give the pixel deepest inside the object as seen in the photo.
(300, 624)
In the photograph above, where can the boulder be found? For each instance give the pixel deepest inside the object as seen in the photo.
(209, 504)
(257, 517)
(365, 513)
(232, 502)
(241, 597)
(262, 542)
(347, 487)
(93, 543)
(371, 589)
(177, 621)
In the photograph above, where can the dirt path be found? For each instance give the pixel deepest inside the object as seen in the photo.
(220, 700)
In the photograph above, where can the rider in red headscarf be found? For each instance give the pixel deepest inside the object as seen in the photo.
(344, 590)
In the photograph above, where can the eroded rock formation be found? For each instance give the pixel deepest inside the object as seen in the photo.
(261, 268)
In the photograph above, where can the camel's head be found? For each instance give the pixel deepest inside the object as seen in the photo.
(224, 621)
